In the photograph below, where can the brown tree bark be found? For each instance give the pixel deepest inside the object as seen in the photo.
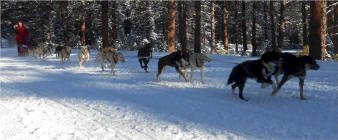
(171, 26)
(104, 12)
(245, 47)
(304, 20)
(225, 28)
(281, 25)
(253, 40)
(273, 35)
(323, 29)
(197, 41)
(83, 25)
(213, 42)
(63, 6)
(182, 19)
(317, 29)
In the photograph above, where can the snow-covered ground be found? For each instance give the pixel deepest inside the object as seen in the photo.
(46, 100)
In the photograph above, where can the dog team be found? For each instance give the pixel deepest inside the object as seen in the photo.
(271, 63)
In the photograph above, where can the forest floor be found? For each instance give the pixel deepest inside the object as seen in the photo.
(47, 100)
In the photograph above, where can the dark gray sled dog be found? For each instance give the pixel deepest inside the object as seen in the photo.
(293, 66)
(144, 55)
(260, 70)
(176, 59)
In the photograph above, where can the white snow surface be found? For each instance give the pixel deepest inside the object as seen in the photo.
(42, 100)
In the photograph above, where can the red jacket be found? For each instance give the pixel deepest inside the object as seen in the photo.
(21, 35)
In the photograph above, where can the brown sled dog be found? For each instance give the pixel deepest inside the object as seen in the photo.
(176, 59)
(102, 51)
(64, 54)
(107, 55)
(83, 55)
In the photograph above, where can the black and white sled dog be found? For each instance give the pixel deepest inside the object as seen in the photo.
(176, 59)
(293, 66)
(144, 55)
(260, 70)
(197, 60)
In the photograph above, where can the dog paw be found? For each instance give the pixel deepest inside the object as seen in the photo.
(244, 99)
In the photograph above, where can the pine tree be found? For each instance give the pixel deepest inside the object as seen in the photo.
(171, 26)
(266, 35)
(114, 23)
(197, 48)
(213, 41)
(63, 6)
(304, 22)
(281, 25)
(182, 17)
(334, 38)
(245, 47)
(317, 29)
(253, 40)
(104, 11)
(83, 25)
(225, 28)
(272, 23)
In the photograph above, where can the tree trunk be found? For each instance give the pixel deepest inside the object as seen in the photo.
(253, 41)
(104, 5)
(273, 36)
(182, 17)
(304, 20)
(266, 35)
(317, 29)
(83, 26)
(281, 25)
(64, 21)
(236, 27)
(114, 23)
(50, 27)
(323, 29)
(197, 41)
(225, 28)
(213, 42)
(245, 47)
(171, 26)
(150, 20)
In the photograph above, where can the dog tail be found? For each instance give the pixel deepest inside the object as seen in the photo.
(235, 74)
(231, 78)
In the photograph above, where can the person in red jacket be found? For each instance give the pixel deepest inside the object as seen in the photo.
(21, 38)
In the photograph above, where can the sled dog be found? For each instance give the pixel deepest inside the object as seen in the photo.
(83, 55)
(293, 66)
(260, 70)
(176, 59)
(144, 55)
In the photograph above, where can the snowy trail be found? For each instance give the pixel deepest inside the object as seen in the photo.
(44, 100)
